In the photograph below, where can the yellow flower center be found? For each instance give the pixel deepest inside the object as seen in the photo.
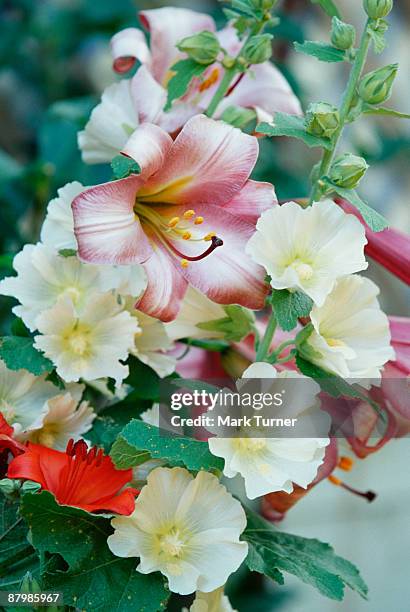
(250, 445)
(78, 340)
(171, 543)
(334, 342)
(302, 269)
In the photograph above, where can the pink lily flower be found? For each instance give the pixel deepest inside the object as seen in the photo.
(265, 89)
(186, 217)
(390, 248)
(396, 374)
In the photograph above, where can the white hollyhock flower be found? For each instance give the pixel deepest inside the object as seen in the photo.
(308, 249)
(44, 276)
(90, 345)
(274, 464)
(23, 397)
(111, 124)
(351, 334)
(58, 226)
(187, 528)
(216, 601)
(151, 342)
(64, 419)
(196, 308)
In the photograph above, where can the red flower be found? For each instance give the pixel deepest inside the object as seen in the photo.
(7, 445)
(78, 477)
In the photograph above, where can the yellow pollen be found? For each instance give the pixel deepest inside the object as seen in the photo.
(171, 544)
(211, 80)
(334, 480)
(174, 221)
(334, 342)
(303, 270)
(188, 214)
(209, 236)
(187, 235)
(250, 445)
(345, 463)
(184, 263)
(199, 220)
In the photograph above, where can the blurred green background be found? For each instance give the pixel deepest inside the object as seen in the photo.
(54, 64)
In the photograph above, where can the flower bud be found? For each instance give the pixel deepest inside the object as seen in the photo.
(375, 87)
(203, 47)
(377, 9)
(343, 34)
(262, 5)
(258, 49)
(347, 171)
(322, 119)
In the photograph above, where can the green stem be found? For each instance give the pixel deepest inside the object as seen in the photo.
(266, 341)
(348, 97)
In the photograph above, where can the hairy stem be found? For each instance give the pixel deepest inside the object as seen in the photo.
(348, 97)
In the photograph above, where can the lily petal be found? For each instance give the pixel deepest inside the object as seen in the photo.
(167, 26)
(149, 146)
(148, 95)
(252, 200)
(209, 162)
(106, 228)
(126, 47)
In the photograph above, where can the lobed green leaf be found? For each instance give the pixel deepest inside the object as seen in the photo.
(289, 307)
(18, 353)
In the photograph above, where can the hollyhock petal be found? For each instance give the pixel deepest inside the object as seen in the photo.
(106, 227)
(148, 146)
(252, 200)
(126, 47)
(265, 88)
(209, 162)
(166, 285)
(167, 26)
(228, 275)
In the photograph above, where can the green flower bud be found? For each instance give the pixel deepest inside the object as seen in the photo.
(29, 584)
(322, 119)
(29, 486)
(377, 9)
(9, 486)
(347, 171)
(203, 47)
(258, 49)
(375, 87)
(262, 5)
(343, 34)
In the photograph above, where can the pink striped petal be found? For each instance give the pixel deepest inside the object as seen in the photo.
(166, 285)
(390, 248)
(106, 228)
(127, 47)
(400, 338)
(149, 146)
(252, 200)
(167, 26)
(209, 162)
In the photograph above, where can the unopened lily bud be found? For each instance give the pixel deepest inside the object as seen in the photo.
(376, 86)
(258, 49)
(343, 34)
(347, 171)
(377, 9)
(322, 119)
(203, 47)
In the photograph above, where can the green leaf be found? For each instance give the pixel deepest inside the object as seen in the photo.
(18, 353)
(143, 379)
(16, 555)
(314, 562)
(377, 30)
(382, 111)
(321, 51)
(238, 117)
(294, 127)
(96, 580)
(122, 166)
(215, 346)
(329, 7)
(139, 437)
(238, 323)
(374, 220)
(185, 70)
(289, 307)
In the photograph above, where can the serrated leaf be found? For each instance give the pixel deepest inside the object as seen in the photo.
(293, 127)
(329, 7)
(377, 31)
(289, 307)
(374, 220)
(185, 70)
(123, 166)
(18, 353)
(271, 551)
(238, 117)
(96, 580)
(321, 51)
(176, 450)
(382, 111)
